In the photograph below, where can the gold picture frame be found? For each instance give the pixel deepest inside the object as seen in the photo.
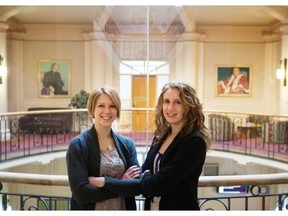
(54, 78)
(233, 80)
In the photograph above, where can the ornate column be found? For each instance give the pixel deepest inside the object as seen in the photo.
(16, 67)
(190, 54)
(270, 64)
(283, 109)
(95, 60)
(4, 130)
(193, 58)
(98, 54)
(3, 53)
(189, 57)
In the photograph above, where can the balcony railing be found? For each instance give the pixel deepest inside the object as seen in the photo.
(279, 201)
(25, 134)
(258, 135)
(29, 133)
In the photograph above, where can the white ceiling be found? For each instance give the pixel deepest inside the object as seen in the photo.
(162, 16)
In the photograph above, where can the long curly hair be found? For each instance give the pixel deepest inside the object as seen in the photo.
(194, 117)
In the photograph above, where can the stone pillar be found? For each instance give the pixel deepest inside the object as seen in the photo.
(98, 61)
(283, 109)
(16, 68)
(271, 63)
(189, 59)
(3, 53)
(4, 128)
(98, 53)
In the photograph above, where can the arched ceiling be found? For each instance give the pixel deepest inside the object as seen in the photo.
(133, 19)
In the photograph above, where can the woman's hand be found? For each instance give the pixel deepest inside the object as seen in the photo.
(131, 173)
(97, 181)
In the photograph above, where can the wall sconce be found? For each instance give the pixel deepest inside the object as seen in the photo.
(281, 73)
(3, 70)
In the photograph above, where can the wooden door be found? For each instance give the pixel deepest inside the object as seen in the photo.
(139, 100)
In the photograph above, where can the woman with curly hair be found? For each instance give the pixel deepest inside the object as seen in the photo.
(177, 155)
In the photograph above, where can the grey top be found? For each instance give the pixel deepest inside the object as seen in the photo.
(112, 166)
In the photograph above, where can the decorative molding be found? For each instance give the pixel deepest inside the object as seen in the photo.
(190, 36)
(201, 28)
(16, 35)
(284, 29)
(94, 36)
(238, 34)
(271, 37)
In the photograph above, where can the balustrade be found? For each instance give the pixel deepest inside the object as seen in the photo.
(256, 183)
(257, 135)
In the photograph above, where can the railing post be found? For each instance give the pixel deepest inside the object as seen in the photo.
(3, 198)
(229, 204)
(22, 203)
(50, 203)
(263, 203)
(246, 204)
(4, 202)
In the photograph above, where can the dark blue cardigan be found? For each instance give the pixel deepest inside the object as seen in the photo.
(83, 160)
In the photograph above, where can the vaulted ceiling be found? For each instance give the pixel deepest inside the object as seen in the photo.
(134, 19)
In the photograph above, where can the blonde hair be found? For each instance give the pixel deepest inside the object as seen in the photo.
(96, 93)
(194, 116)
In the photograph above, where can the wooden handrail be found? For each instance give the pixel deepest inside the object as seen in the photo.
(255, 179)
(43, 112)
(35, 179)
(204, 181)
(131, 109)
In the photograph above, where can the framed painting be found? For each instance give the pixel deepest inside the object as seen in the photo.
(233, 80)
(54, 78)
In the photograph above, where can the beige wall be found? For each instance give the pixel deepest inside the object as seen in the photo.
(35, 50)
(222, 45)
(242, 45)
(60, 42)
(252, 54)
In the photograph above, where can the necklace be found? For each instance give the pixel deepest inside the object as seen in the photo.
(106, 144)
(108, 147)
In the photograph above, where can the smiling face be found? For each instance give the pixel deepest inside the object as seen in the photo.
(105, 111)
(173, 108)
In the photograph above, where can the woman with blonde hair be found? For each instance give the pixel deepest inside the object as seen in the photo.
(99, 156)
